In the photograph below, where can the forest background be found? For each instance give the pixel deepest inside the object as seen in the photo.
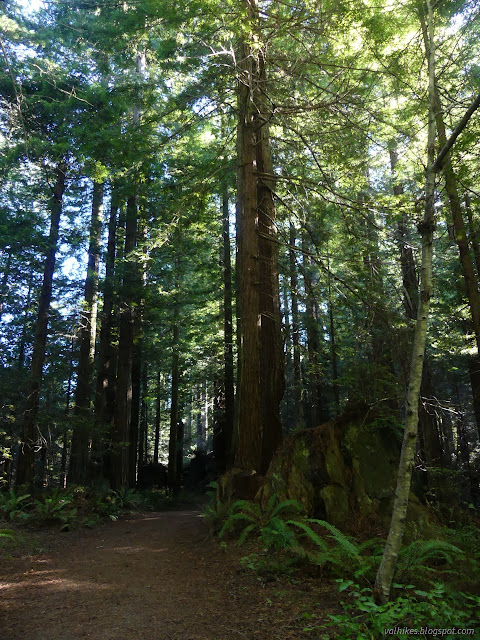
(212, 217)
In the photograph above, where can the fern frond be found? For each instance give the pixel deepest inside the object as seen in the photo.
(245, 533)
(340, 538)
(246, 505)
(232, 519)
(314, 537)
(286, 505)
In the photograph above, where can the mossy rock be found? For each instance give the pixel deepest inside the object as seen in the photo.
(338, 471)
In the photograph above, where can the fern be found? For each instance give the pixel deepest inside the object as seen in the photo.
(350, 548)
(232, 520)
(287, 505)
(420, 553)
(245, 533)
(314, 537)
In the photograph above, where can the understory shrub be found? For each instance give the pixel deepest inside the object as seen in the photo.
(437, 608)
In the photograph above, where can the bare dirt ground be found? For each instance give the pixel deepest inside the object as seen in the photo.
(154, 576)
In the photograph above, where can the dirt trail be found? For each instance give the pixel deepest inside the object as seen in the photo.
(153, 576)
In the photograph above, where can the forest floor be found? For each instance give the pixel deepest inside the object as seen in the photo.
(152, 576)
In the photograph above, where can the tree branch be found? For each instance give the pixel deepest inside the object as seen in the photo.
(437, 165)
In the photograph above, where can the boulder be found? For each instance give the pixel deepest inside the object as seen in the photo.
(342, 470)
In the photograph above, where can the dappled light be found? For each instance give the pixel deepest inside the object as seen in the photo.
(239, 319)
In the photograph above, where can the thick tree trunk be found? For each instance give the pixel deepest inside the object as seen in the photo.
(82, 430)
(260, 382)
(397, 526)
(248, 405)
(26, 460)
(271, 344)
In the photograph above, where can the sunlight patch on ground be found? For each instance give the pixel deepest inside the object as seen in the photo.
(61, 583)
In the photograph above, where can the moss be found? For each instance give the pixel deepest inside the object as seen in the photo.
(372, 461)
(335, 498)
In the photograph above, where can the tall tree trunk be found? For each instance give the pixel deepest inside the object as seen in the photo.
(173, 442)
(468, 272)
(298, 421)
(120, 454)
(156, 444)
(105, 388)
(82, 426)
(430, 447)
(4, 283)
(23, 339)
(314, 411)
(137, 354)
(397, 526)
(63, 463)
(26, 460)
(260, 383)
(333, 343)
(248, 407)
(142, 448)
(227, 336)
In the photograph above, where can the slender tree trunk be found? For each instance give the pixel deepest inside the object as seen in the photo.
(466, 262)
(105, 388)
(227, 337)
(142, 448)
(298, 420)
(63, 463)
(387, 567)
(120, 455)
(333, 343)
(468, 272)
(26, 460)
(156, 444)
(4, 283)
(428, 426)
(397, 526)
(82, 430)
(137, 355)
(289, 411)
(23, 339)
(173, 442)
(314, 411)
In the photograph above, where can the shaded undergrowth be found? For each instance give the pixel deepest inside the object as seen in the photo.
(436, 581)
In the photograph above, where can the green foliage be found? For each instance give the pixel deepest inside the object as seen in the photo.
(55, 508)
(436, 608)
(215, 511)
(272, 530)
(425, 556)
(13, 506)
